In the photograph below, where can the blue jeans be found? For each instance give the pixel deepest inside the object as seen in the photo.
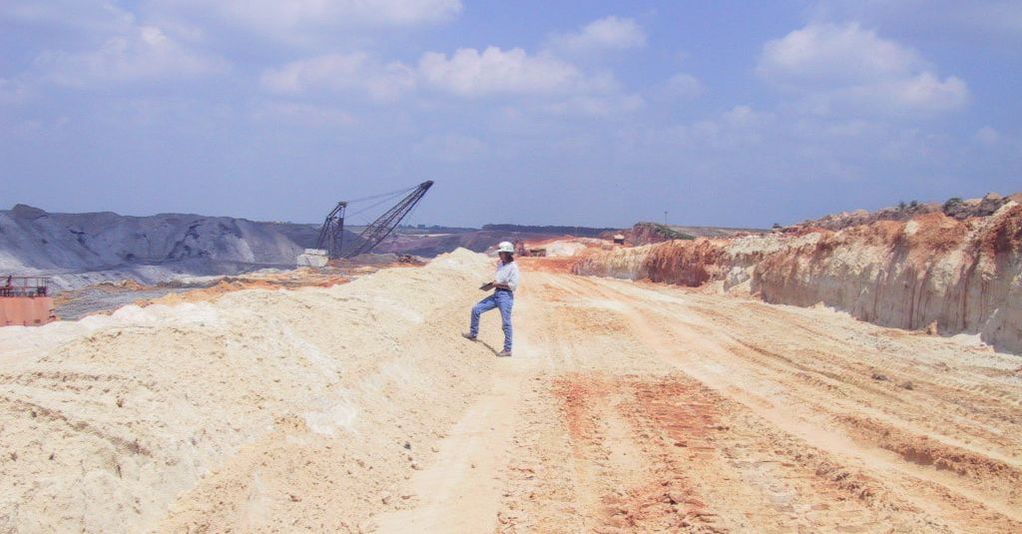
(502, 300)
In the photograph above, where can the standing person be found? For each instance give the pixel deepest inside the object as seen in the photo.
(504, 284)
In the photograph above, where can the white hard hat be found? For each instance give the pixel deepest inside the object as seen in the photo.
(506, 246)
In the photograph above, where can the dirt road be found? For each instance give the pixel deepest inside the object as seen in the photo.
(635, 407)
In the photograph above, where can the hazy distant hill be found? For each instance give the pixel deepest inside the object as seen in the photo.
(577, 231)
(147, 248)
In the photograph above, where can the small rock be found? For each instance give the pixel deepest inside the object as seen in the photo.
(908, 385)
(879, 377)
(295, 498)
(676, 497)
(408, 446)
(385, 497)
(406, 496)
(416, 466)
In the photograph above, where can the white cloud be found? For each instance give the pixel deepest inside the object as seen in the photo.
(143, 53)
(596, 105)
(828, 54)
(608, 33)
(921, 93)
(983, 20)
(467, 73)
(988, 135)
(298, 20)
(89, 16)
(731, 132)
(302, 114)
(342, 72)
(471, 73)
(744, 116)
(845, 66)
(682, 85)
(12, 91)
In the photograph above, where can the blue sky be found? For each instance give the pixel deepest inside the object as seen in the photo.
(590, 113)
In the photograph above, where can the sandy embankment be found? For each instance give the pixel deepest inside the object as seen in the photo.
(628, 407)
(961, 276)
(258, 408)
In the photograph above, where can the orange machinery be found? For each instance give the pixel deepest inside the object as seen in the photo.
(25, 301)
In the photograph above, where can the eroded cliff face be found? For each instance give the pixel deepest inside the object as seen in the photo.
(959, 275)
(964, 276)
(626, 263)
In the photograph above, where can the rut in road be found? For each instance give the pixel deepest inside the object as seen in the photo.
(638, 407)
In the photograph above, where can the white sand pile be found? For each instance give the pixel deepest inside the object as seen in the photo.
(568, 248)
(264, 410)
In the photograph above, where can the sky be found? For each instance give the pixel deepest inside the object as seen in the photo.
(592, 112)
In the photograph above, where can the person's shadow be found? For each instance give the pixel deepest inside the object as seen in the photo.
(493, 350)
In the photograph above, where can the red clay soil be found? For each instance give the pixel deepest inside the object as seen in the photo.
(959, 275)
(688, 263)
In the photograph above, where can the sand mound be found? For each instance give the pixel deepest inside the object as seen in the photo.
(179, 413)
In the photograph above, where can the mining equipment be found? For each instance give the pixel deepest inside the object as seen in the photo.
(520, 248)
(331, 235)
(25, 301)
(523, 252)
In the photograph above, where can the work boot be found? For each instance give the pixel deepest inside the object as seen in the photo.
(468, 336)
(504, 354)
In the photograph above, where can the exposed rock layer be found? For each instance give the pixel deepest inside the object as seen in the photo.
(931, 270)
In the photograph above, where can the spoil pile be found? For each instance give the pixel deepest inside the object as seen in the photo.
(275, 410)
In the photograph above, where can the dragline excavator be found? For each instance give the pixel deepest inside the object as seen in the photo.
(331, 235)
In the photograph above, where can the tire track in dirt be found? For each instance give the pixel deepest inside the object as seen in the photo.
(673, 422)
(650, 409)
(959, 499)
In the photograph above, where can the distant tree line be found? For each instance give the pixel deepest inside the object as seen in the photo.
(578, 231)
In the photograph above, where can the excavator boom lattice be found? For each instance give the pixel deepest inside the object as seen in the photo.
(382, 227)
(331, 235)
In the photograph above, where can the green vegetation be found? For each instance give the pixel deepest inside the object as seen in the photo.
(952, 203)
(670, 233)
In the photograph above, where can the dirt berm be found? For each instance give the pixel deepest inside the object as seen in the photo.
(229, 414)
